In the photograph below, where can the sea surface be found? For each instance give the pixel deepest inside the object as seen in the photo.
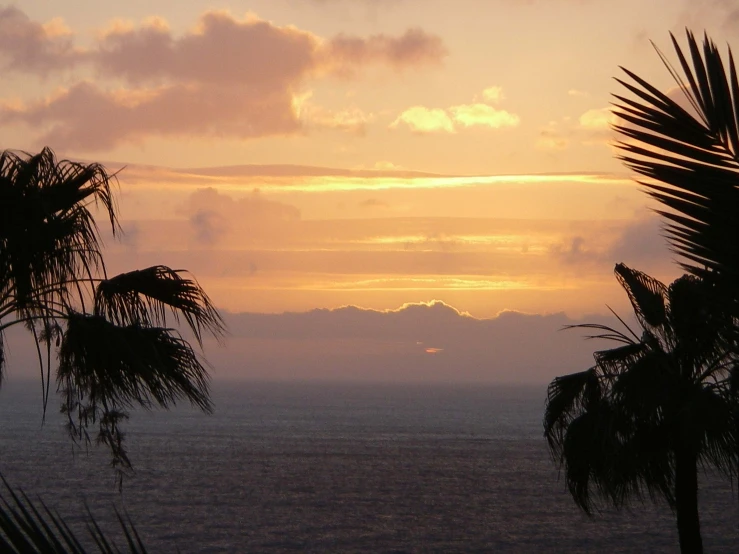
(320, 467)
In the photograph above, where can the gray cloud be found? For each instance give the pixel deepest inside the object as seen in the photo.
(640, 243)
(213, 215)
(173, 111)
(30, 47)
(416, 343)
(221, 50)
(419, 342)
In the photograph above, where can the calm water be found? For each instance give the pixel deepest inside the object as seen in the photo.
(340, 468)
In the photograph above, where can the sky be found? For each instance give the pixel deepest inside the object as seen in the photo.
(348, 164)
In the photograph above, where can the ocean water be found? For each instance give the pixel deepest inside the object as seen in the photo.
(317, 467)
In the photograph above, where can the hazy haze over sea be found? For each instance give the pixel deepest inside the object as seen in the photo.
(296, 467)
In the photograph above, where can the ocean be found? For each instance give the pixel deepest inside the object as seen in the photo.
(322, 467)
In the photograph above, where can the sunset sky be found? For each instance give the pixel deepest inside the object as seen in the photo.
(298, 155)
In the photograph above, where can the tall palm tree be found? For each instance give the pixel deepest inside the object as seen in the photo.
(653, 409)
(690, 158)
(112, 335)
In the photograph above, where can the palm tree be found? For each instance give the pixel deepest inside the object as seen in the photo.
(691, 159)
(112, 335)
(653, 409)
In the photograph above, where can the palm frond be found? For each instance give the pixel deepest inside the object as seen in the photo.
(714, 419)
(589, 449)
(142, 297)
(567, 396)
(615, 360)
(606, 332)
(28, 527)
(647, 295)
(646, 386)
(48, 237)
(690, 160)
(105, 369)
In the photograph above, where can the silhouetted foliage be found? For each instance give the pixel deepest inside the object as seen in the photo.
(32, 528)
(639, 422)
(691, 159)
(112, 337)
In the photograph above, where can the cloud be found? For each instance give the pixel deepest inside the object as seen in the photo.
(575, 251)
(469, 115)
(593, 127)
(252, 51)
(550, 138)
(213, 215)
(599, 119)
(385, 165)
(352, 343)
(352, 119)
(638, 243)
(373, 203)
(420, 119)
(702, 14)
(221, 49)
(31, 47)
(493, 94)
(576, 92)
(413, 48)
(89, 118)
(642, 242)
(427, 342)
(238, 78)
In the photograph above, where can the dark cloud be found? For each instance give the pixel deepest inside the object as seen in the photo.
(421, 343)
(351, 343)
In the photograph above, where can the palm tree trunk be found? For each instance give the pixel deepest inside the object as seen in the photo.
(686, 498)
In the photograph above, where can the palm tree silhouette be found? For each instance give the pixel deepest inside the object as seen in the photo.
(115, 346)
(650, 411)
(691, 159)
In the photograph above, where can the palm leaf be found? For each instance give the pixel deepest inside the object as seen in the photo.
(48, 236)
(105, 369)
(26, 529)
(142, 297)
(691, 160)
(566, 397)
(647, 295)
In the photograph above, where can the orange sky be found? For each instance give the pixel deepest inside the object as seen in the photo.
(417, 150)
